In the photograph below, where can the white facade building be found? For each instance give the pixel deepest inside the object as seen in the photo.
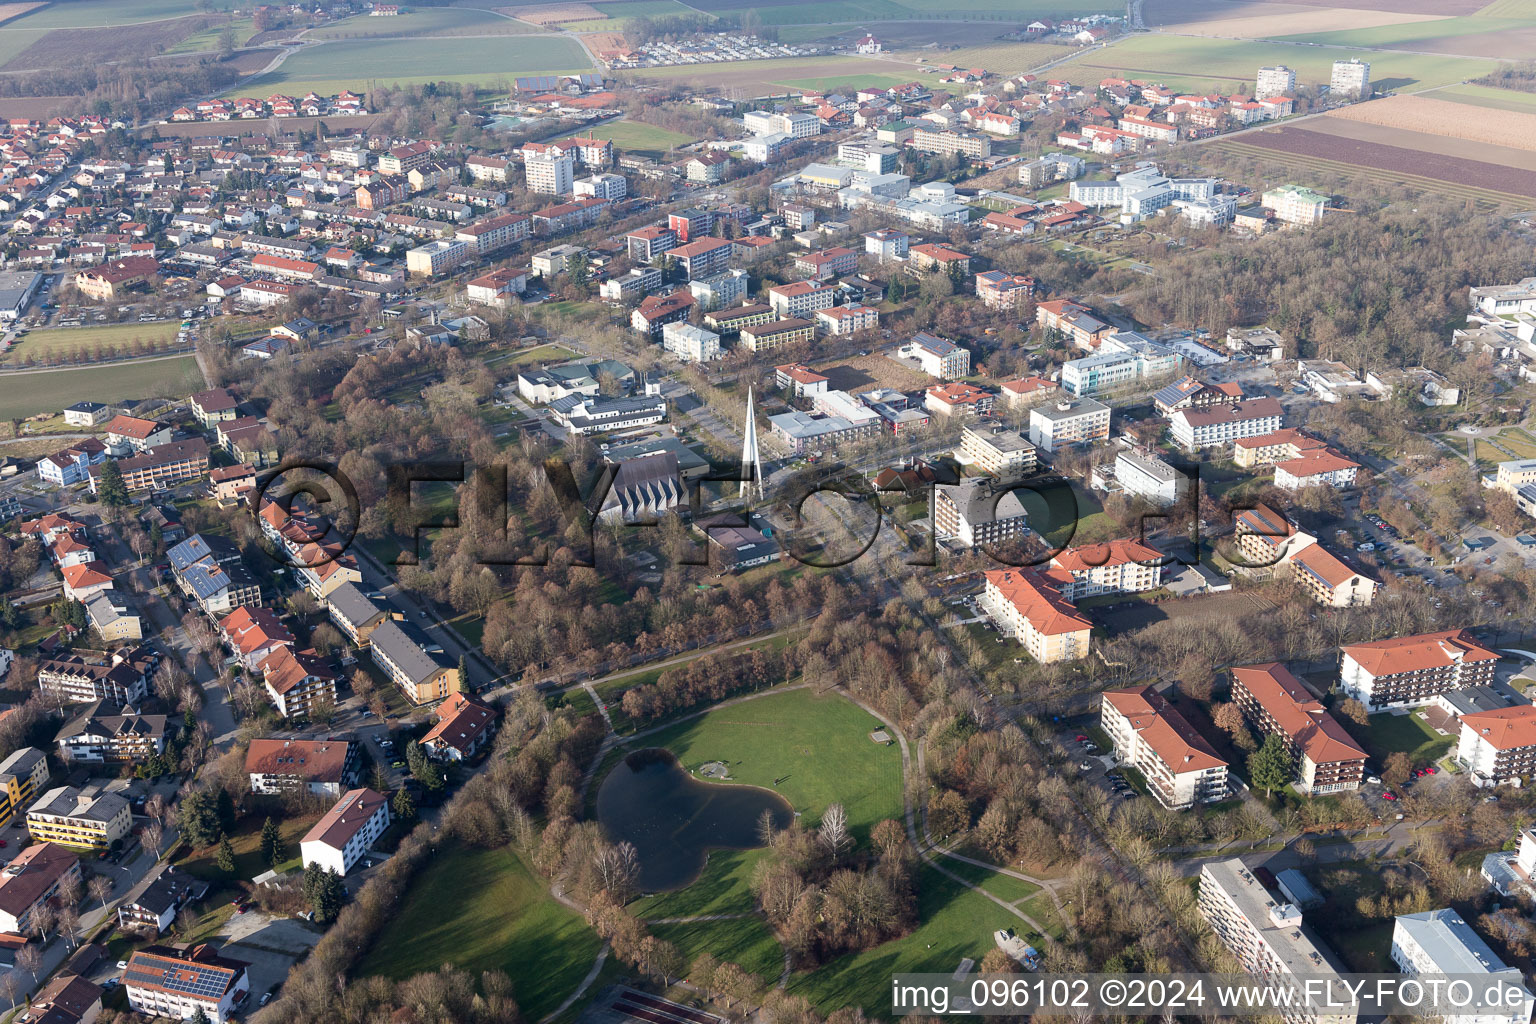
(347, 831)
(689, 343)
(1440, 942)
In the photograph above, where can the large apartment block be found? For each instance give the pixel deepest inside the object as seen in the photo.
(1438, 942)
(1275, 702)
(413, 661)
(1193, 429)
(1028, 607)
(1006, 454)
(1060, 424)
(1266, 933)
(1498, 745)
(1123, 566)
(1180, 767)
(1408, 671)
(84, 819)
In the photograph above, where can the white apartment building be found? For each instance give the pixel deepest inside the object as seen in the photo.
(1498, 746)
(840, 320)
(1265, 933)
(939, 357)
(1274, 81)
(689, 343)
(1180, 767)
(611, 187)
(1440, 942)
(1193, 429)
(163, 981)
(1295, 205)
(347, 831)
(550, 173)
(1141, 192)
(1006, 454)
(1121, 566)
(1121, 358)
(1409, 671)
(1058, 424)
(800, 299)
(438, 256)
(1144, 475)
(1351, 78)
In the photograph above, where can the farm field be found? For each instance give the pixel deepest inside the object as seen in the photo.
(484, 910)
(330, 67)
(1487, 96)
(1472, 37)
(1224, 62)
(756, 77)
(66, 340)
(1003, 58)
(208, 38)
(1509, 9)
(71, 47)
(845, 82)
(197, 129)
(1265, 20)
(638, 137)
(10, 12)
(16, 41)
(1423, 142)
(31, 106)
(618, 14)
(845, 10)
(425, 21)
(1514, 129)
(1296, 153)
(101, 13)
(29, 392)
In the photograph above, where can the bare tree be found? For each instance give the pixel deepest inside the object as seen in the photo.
(833, 831)
(765, 828)
(30, 959)
(153, 839)
(69, 925)
(617, 867)
(101, 889)
(12, 987)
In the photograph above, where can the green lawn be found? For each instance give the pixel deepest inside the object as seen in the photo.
(638, 137)
(247, 844)
(1223, 62)
(1043, 909)
(1409, 33)
(27, 393)
(483, 910)
(1388, 734)
(355, 63)
(424, 21)
(1004, 887)
(208, 38)
(723, 887)
(745, 941)
(816, 747)
(876, 80)
(957, 923)
(65, 340)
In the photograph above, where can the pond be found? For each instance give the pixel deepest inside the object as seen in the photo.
(674, 820)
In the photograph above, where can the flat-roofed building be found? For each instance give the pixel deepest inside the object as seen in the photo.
(1276, 703)
(1180, 767)
(1059, 424)
(1004, 453)
(1144, 475)
(1439, 942)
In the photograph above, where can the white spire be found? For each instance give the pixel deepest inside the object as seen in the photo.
(751, 461)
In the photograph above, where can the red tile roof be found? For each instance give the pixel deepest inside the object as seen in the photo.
(1297, 713)
(1413, 653)
(1164, 729)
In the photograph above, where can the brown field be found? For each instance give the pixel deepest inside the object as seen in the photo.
(72, 47)
(9, 11)
(1447, 7)
(864, 372)
(1397, 160)
(33, 106)
(1225, 19)
(1422, 142)
(1508, 128)
(599, 41)
(762, 77)
(555, 13)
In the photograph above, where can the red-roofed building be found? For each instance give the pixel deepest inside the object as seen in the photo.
(1275, 702)
(958, 399)
(464, 725)
(1027, 606)
(299, 682)
(1322, 467)
(1124, 566)
(1407, 671)
(347, 831)
(1499, 746)
(1180, 767)
(253, 632)
(1026, 391)
(162, 981)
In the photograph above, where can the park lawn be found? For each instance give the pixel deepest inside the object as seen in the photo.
(102, 13)
(27, 393)
(247, 844)
(638, 137)
(424, 21)
(1223, 62)
(357, 62)
(531, 357)
(723, 887)
(1409, 734)
(744, 941)
(811, 749)
(1004, 887)
(955, 923)
(1042, 908)
(55, 341)
(484, 910)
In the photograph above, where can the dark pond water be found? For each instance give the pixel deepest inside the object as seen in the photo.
(673, 819)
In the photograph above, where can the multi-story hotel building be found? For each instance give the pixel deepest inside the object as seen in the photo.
(1275, 702)
(1498, 745)
(32, 878)
(163, 981)
(321, 767)
(801, 298)
(976, 511)
(1407, 671)
(1266, 933)
(22, 776)
(413, 661)
(1123, 566)
(776, 334)
(1180, 767)
(1028, 607)
(121, 677)
(1193, 429)
(347, 831)
(1059, 424)
(1006, 454)
(1439, 942)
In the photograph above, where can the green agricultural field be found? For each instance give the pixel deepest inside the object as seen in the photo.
(956, 924)
(1488, 96)
(1003, 58)
(1508, 9)
(103, 13)
(621, 14)
(639, 137)
(744, 941)
(424, 21)
(1222, 63)
(16, 41)
(854, 11)
(208, 38)
(29, 392)
(66, 340)
(484, 910)
(876, 80)
(1405, 35)
(330, 67)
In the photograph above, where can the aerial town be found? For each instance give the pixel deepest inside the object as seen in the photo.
(637, 513)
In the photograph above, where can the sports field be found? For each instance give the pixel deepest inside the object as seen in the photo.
(483, 910)
(66, 340)
(29, 392)
(638, 137)
(354, 63)
(816, 748)
(1219, 64)
(424, 21)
